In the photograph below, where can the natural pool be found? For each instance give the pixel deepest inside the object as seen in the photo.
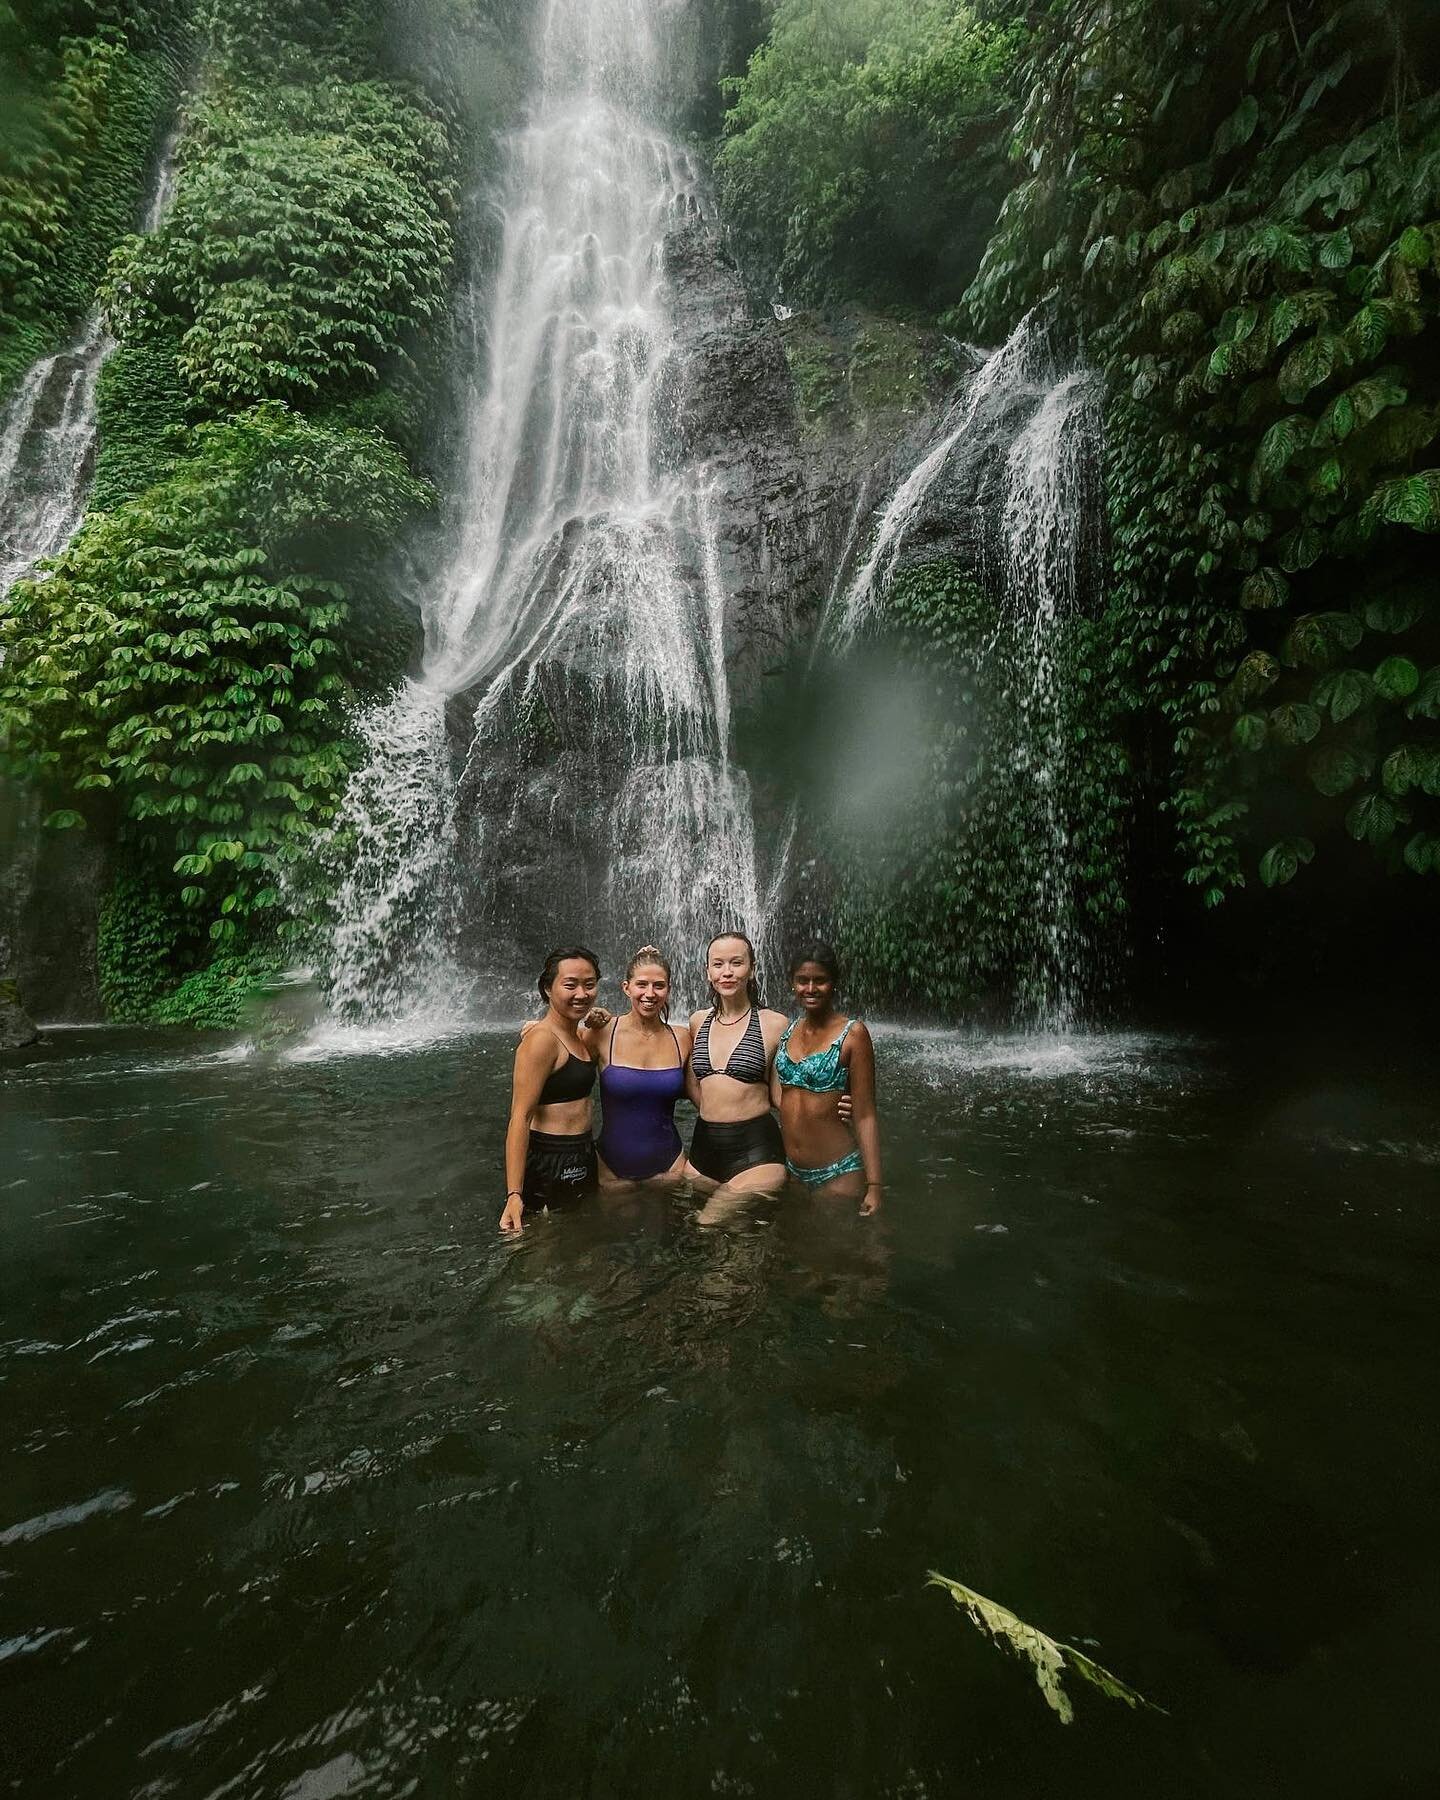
(312, 1486)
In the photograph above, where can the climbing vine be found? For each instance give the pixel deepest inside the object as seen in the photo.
(1237, 206)
(947, 902)
(179, 680)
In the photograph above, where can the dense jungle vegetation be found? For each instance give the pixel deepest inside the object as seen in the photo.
(1231, 208)
(1228, 208)
(179, 682)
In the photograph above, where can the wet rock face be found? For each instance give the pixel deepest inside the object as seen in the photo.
(16, 1026)
(794, 419)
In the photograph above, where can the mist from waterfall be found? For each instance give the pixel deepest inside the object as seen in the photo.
(581, 604)
(48, 430)
(1020, 446)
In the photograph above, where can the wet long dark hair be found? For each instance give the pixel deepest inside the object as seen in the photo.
(817, 952)
(752, 986)
(553, 962)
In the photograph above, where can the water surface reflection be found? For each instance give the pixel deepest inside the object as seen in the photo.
(313, 1486)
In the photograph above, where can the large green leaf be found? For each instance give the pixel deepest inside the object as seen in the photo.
(1320, 639)
(1250, 731)
(1335, 770)
(1342, 693)
(1373, 818)
(1294, 722)
(1396, 678)
(1281, 861)
(1264, 588)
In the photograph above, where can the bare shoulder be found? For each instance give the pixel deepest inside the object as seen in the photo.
(537, 1045)
(684, 1036)
(774, 1021)
(696, 1020)
(859, 1033)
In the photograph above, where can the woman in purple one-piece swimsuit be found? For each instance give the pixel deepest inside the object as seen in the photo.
(642, 1060)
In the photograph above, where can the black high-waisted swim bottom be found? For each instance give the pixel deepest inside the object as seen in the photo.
(559, 1170)
(721, 1151)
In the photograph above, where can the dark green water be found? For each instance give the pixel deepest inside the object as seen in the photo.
(312, 1486)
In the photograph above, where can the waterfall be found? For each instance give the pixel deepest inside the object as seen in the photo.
(582, 608)
(1020, 446)
(48, 430)
(1050, 471)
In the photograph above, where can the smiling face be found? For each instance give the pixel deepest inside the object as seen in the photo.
(647, 989)
(814, 987)
(729, 967)
(572, 992)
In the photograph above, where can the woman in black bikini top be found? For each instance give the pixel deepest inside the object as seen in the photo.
(549, 1150)
(737, 1140)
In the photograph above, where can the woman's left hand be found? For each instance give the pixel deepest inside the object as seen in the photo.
(871, 1203)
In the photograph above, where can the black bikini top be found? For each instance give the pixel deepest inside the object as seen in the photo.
(573, 1080)
(748, 1061)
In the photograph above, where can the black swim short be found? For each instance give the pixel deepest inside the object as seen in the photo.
(559, 1170)
(721, 1151)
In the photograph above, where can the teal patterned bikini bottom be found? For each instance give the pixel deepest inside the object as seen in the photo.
(853, 1164)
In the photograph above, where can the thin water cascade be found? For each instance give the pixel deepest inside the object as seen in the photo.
(582, 608)
(1020, 444)
(1046, 521)
(48, 430)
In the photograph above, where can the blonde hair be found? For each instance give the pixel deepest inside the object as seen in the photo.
(649, 953)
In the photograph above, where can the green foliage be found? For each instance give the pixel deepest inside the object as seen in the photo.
(178, 681)
(1237, 205)
(310, 236)
(937, 900)
(179, 677)
(78, 137)
(158, 966)
(862, 154)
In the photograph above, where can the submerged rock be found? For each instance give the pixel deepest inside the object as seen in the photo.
(17, 1028)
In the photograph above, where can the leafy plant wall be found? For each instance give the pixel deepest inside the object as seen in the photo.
(1232, 209)
(180, 681)
(1237, 206)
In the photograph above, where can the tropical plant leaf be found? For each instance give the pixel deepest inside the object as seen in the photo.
(1295, 722)
(1341, 693)
(1372, 818)
(1335, 770)
(1250, 731)
(1047, 1656)
(1264, 588)
(1281, 861)
(1397, 678)
(1319, 639)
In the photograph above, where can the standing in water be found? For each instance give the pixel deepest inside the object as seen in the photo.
(642, 1074)
(737, 1144)
(549, 1152)
(822, 1055)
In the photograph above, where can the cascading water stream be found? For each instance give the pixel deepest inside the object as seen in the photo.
(48, 431)
(583, 598)
(1021, 443)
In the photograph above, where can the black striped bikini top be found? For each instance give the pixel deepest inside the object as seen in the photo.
(748, 1061)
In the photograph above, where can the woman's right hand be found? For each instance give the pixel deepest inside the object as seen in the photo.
(510, 1218)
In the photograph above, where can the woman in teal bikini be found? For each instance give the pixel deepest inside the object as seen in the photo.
(824, 1054)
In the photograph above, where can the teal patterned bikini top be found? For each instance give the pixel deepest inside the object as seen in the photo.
(821, 1072)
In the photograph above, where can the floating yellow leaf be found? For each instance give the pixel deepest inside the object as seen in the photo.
(1047, 1657)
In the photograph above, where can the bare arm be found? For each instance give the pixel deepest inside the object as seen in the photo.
(692, 1086)
(534, 1059)
(865, 1119)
